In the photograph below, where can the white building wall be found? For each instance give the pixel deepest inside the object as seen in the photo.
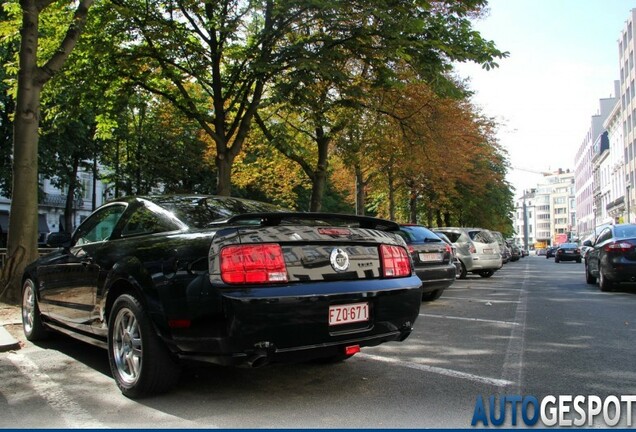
(626, 49)
(583, 175)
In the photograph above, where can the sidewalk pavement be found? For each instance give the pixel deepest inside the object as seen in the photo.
(9, 315)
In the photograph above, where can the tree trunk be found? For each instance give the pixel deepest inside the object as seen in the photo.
(360, 196)
(223, 174)
(447, 219)
(413, 206)
(320, 173)
(391, 181)
(23, 219)
(438, 218)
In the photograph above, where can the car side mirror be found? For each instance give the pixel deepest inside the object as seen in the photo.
(58, 239)
(587, 243)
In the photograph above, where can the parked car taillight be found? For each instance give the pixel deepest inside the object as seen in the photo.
(247, 264)
(395, 261)
(472, 249)
(618, 247)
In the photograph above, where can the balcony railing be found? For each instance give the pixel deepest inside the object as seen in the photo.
(59, 200)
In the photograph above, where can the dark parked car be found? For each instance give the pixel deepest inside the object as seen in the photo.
(612, 257)
(160, 279)
(550, 252)
(504, 249)
(432, 258)
(568, 252)
(515, 251)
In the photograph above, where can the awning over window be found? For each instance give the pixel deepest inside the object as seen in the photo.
(43, 227)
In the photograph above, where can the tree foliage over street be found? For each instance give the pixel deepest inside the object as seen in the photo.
(325, 105)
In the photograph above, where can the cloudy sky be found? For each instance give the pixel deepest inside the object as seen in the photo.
(563, 59)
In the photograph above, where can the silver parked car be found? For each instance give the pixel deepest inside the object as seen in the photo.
(477, 250)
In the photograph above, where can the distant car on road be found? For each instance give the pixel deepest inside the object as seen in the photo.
(550, 252)
(567, 252)
(612, 257)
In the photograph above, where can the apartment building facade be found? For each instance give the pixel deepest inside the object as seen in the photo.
(52, 202)
(550, 212)
(586, 156)
(626, 48)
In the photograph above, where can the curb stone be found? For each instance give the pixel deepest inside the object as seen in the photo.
(7, 342)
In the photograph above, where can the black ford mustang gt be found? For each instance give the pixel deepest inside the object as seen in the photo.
(159, 279)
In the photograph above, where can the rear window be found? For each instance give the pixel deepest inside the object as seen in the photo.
(418, 234)
(569, 245)
(622, 232)
(452, 235)
(481, 236)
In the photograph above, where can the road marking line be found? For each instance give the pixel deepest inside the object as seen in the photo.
(70, 411)
(493, 288)
(469, 319)
(438, 370)
(481, 300)
(513, 362)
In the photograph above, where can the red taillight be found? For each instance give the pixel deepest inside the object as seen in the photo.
(449, 249)
(351, 350)
(248, 264)
(471, 249)
(179, 323)
(411, 249)
(618, 247)
(395, 261)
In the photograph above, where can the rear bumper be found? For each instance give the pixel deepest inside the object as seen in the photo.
(290, 323)
(620, 270)
(476, 263)
(436, 277)
(568, 257)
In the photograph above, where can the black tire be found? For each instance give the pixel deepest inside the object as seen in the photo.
(139, 361)
(433, 295)
(578, 261)
(463, 272)
(556, 260)
(486, 273)
(588, 276)
(603, 282)
(31, 318)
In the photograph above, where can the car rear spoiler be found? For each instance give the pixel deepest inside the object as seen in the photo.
(352, 221)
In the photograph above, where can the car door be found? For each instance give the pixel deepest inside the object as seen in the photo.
(594, 255)
(68, 283)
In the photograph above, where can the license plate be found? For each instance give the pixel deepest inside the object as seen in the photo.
(488, 250)
(569, 252)
(426, 257)
(348, 313)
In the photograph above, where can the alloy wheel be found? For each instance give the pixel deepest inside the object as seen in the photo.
(127, 346)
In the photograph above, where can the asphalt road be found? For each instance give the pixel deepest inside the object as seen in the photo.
(534, 328)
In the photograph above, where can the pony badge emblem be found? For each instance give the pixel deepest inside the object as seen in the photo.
(339, 260)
